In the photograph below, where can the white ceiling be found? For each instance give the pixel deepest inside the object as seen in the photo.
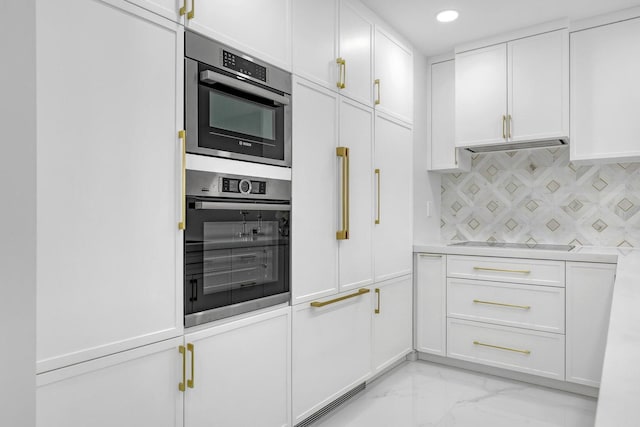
(415, 19)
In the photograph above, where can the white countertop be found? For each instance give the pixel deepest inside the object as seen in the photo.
(619, 398)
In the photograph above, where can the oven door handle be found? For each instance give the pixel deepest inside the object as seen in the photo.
(208, 76)
(241, 206)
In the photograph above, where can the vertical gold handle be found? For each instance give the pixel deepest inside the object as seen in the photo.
(343, 152)
(183, 9)
(376, 82)
(377, 172)
(183, 194)
(455, 150)
(192, 12)
(342, 73)
(184, 367)
(504, 127)
(509, 126)
(377, 311)
(193, 367)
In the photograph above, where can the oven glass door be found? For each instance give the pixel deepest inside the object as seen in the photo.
(234, 256)
(234, 121)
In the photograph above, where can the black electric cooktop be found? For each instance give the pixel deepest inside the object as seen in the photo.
(543, 246)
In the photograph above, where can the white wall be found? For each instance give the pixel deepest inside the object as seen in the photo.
(426, 185)
(17, 213)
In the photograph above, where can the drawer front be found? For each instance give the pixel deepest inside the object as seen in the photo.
(509, 304)
(531, 352)
(512, 270)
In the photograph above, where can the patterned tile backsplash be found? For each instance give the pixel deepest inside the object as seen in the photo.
(539, 196)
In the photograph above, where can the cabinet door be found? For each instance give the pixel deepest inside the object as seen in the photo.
(431, 303)
(356, 253)
(241, 373)
(356, 34)
(538, 87)
(589, 294)
(393, 236)
(444, 155)
(166, 8)
(481, 96)
(331, 352)
(109, 257)
(604, 92)
(314, 248)
(394, 71)
(261, 28)
(130, 389)
(392, 322)
(315, 33)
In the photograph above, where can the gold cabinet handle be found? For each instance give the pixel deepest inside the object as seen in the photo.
(524, 307)
(342, 73)
(502, 270)
(332, 301)
(502, 348)
(510, 122)
(190, 382)
(183, 9)
(192, 12)
(343, 152)
(182, 351)
(183, 194)
(377, 172)
(377, 311)
(376, 82)
(504, 127)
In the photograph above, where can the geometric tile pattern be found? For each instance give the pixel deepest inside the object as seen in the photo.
(539, 196)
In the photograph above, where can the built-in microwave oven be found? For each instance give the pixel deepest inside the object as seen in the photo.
(235, 106)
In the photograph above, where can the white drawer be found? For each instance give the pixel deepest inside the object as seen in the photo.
(513, 270)
(532, 352)
(509, 304)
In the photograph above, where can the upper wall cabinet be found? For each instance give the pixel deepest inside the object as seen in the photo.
(175, 10)
(513, 92)
(605, 89)
(393, 73)
(332, 46)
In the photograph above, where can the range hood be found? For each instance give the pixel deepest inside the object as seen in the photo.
(546, 143)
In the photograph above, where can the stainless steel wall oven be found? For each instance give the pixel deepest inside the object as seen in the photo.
(236, 249)
(235, 106)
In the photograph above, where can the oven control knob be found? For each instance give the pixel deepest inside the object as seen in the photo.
(245, 186)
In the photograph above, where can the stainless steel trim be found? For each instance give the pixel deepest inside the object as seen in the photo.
(516, 145)
(247, 139)
(209, 184)
(209, 76)
(235, 309)
(429, 255)
(241, 206)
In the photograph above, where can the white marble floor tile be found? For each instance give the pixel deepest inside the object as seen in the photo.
(422, 394)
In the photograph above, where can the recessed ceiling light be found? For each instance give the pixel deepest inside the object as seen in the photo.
(447, 15)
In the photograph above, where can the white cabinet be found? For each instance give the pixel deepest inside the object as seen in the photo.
(393, 74)
(331, 350)
(241, 373)
(261, 28)
(431, 303)
(604, 92)
(109, 255)
(170, 9)
(589, 295)
(443, 154)
(332, 43)
(392, 322)
(134, 388)
(393, 237)
(513, 92)
(321, 264)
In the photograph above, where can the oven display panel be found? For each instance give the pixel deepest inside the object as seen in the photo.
(244, 186)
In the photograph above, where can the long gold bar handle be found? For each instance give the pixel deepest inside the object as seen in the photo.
(524, 307)
(342, 73)
(183, 9)
(377, 310)
(192, 12)
(182, 351)
(377, 172)
(376, 82)
(502, 348)
(332, 301)
(343, 152)
(509, 125)
(502, 270)
(504, 127)
(193, 367)
(183, 194)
